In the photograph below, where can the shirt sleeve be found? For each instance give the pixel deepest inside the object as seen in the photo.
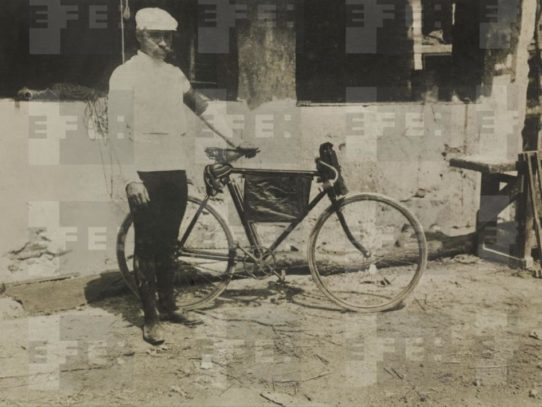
(197, 102)
(184, 82)
(207, 111)
(120, 117)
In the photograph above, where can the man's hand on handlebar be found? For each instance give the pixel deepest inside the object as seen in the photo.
(248, 150)
(228, 155)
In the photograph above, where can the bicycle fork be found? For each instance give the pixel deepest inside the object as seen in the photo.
(346, 229)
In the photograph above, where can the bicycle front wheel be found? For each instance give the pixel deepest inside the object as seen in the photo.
(204, 260)
(367, 252)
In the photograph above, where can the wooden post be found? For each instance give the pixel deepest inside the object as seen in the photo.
(534, 76)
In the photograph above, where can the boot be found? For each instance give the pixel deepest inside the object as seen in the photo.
(170, 312)
(166, 298)
(179, 317)
(145, 276)
(153, 333)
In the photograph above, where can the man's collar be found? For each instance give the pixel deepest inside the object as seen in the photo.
(148, 58)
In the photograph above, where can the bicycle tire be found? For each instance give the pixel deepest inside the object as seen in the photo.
(370, 213)
(183, 301)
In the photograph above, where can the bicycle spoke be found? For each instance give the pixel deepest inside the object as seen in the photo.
(198, 279)
(388, 267)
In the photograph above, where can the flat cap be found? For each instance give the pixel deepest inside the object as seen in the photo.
(154, 18)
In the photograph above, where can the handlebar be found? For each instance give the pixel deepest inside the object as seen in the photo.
(227, 155)
(332, 168)
(248, 152)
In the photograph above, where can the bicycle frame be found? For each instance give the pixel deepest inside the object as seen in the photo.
(248, 226)
(251, 233)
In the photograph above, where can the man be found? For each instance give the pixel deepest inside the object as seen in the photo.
(147, 105)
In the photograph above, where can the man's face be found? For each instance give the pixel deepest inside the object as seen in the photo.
(155, 43)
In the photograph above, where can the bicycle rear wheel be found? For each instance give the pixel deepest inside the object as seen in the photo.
(204, 262)
(367, 253)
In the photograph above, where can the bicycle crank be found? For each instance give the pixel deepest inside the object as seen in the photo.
(261, 265)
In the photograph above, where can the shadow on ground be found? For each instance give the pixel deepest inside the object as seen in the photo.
(110, 293)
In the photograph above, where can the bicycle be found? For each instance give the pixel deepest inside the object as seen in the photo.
(366, 251)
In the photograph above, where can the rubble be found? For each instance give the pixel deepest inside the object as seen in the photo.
(10, 309)
(534, 334)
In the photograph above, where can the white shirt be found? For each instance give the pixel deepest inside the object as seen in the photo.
(147, 116)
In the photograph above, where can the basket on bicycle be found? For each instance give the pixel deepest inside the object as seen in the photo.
(275, 197)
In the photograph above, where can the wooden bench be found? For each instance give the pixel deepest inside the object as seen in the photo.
(503, 183)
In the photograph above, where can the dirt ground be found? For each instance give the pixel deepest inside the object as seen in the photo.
(470, 335)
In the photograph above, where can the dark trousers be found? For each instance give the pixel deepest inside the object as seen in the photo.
(156, 232)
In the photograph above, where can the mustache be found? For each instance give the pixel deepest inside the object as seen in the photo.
(165, 47)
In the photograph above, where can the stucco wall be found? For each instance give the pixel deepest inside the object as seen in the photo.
(63, 197)
(57, 183)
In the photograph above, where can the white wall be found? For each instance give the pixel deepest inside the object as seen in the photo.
(55, 177)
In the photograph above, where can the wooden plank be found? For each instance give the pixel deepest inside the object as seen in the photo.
(491, 204)
(524, 217)
(537, 69)
(38, 280)
(507, 178)
(490, 254)
(534, 202)
(513, 191)
(484, 165)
